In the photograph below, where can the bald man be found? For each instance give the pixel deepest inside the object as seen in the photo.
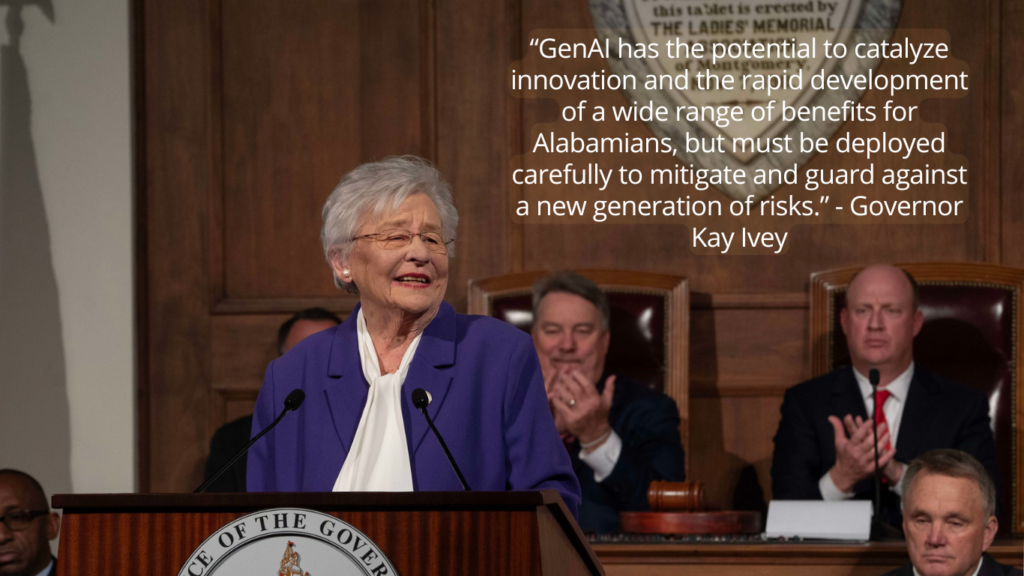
(26, 527)
(824, 448)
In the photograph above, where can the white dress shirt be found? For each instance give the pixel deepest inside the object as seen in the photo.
(602, 459)
(893, 409)
(378, 460)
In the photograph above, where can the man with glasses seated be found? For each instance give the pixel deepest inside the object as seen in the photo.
(26, 526)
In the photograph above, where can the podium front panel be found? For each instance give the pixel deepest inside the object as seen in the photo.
(508, 533)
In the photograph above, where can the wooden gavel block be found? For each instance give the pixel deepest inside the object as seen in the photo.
(679, 508)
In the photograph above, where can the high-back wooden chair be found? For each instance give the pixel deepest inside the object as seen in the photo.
(972, 334)
(650, 325)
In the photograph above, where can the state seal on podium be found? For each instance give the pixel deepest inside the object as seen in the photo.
(314, 544)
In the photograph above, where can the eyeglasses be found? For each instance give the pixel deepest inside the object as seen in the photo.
(395, 239)
(20, 519)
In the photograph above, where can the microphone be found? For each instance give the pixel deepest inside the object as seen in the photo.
(293, 400)
(421, 399)
(291, 403)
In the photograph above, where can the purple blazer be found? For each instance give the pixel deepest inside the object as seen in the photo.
(488, 403)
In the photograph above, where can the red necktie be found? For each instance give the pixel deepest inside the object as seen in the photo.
(880, 397)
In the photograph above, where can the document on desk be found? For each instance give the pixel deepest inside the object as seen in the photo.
(849, 520)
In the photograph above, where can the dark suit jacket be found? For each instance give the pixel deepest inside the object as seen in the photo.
(226, 442)
(939, 413)
(989, 567)
(648, 423)
(53, 569)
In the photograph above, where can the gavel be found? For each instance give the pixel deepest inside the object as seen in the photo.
(679, 508)
(666, 496)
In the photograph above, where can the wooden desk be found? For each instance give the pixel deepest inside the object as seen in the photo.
(770, 559)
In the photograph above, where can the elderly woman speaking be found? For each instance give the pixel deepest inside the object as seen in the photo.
(388, 231)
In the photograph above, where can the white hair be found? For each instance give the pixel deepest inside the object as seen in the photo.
(376, 188)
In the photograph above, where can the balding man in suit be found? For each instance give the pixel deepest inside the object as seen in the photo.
(824, 445)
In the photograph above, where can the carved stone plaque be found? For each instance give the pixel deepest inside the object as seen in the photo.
(783, 30)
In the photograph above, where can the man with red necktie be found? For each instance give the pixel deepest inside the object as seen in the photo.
(824, 448)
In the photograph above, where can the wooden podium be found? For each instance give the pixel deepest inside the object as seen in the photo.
(422, 533)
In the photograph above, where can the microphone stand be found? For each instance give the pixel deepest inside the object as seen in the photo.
(292, 402)
(876, 511)
(880, 531)
(421, 399)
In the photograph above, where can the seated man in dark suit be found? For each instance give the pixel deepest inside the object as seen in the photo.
(949, 517)
(229, 438)
(824, 445)
(26, 526)
(620, 434)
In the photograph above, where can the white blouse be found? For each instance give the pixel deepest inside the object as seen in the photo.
(378, 460)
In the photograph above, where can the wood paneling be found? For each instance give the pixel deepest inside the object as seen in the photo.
(242, 346)
(747, 346)
(250, 111)
(179, 165)
(304, 86)
(732, 449)
(476, 43)
(1010, 114)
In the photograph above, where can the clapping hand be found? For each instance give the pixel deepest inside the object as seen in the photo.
(855, 454)
(578, 408)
